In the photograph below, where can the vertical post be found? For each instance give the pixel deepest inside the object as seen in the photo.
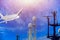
(54, 15)
(48, 27)
(48, 24)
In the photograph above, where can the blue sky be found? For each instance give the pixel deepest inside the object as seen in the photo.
(20, 26)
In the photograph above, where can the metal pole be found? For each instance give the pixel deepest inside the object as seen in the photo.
(54, 15)
(48, 27)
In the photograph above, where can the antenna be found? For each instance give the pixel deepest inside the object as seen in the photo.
(48, 24)
(54, 25)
